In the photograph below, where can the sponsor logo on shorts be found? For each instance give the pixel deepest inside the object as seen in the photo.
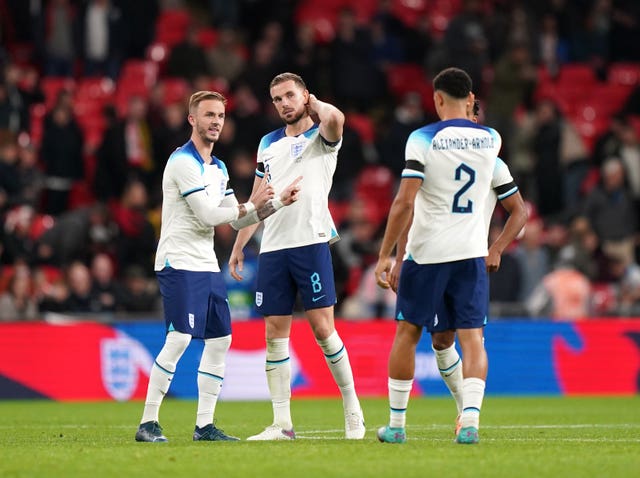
(192, 320)
(316, 299)
(258, 299)
(435, 320)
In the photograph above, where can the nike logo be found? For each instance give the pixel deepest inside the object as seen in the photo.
(270, 369)
(337, 360)
(316, 299)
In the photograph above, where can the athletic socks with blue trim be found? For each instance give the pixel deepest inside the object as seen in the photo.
(399, 392)
(278, 369)
(162, 373)
(472, 395)
(337, 360)
(450, 367)
(210, 378)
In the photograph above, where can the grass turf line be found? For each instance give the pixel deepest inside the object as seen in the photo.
(526, 437)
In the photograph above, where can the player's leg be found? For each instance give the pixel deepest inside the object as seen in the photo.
(275, 297)
(401, 371)
(174, 287)
(469, 293)
(420, 291)
(337, 359)
(159, 381)
(474, 371)
(217, 340)
(312, 270)
(450, 366)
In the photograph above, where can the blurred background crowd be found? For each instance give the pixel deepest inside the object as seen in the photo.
(93, 98)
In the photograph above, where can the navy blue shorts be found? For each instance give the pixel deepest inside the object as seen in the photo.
(281, 274)
(447, 296)
(195, 303)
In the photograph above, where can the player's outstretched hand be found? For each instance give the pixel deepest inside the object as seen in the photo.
(290, 194)
(262, 193)
(383, 267)
(236, 264)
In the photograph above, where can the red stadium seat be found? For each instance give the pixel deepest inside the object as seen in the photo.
(175, 90)
(171, 27)
(323, 19)
(207, 37)
(52, 85)
(100, 90)
(625, 74)
(576, 75)
(363, 126)
(37, 113)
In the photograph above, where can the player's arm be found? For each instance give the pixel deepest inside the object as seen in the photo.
(514, 204)
(188, 178)
(288, 197)
(399, 219)
(393, 277)
(331, 118)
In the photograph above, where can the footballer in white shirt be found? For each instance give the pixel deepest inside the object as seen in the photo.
(196, 198)
(294, 253)
(452, 170)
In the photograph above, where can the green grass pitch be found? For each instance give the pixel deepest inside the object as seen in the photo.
(520, 437)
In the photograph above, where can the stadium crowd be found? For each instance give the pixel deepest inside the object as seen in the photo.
(93, 100)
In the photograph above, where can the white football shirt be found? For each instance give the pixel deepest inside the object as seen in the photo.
(458, 163)
(185, 242)
(282, 159)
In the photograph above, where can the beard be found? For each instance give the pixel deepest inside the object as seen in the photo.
(295, 119)
(204, 135)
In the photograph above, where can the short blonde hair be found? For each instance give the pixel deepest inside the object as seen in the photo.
(200, 96)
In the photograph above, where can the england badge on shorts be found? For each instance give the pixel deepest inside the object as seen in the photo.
(192, 320)
(258, 299)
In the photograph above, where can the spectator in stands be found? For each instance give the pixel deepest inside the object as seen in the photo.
(546, 142)
(136, 242)
(81, 299)
(30, 177)
(50, 293)
(583, 249)
(17, 241)
(61, 155)
(169, 134)
(126, 153)
(10, 109)
(514, 79)
(356, 80)
(505, 284)
(188, 59)
(407, 117)
(262, 67)
(140, 19)
(18, 108)
(104, 37)
(140, 293)
(9, 182)
(226, 59)
(532, 256)
(609, 143)
(305, 57)
(465, 42)
(563, 294)
(418, 41)
(552, 47)
(61, 25)
(105, 288)
(611, 212)
(17, 303)
(250, 123)
(77, 235)
(627, 282)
